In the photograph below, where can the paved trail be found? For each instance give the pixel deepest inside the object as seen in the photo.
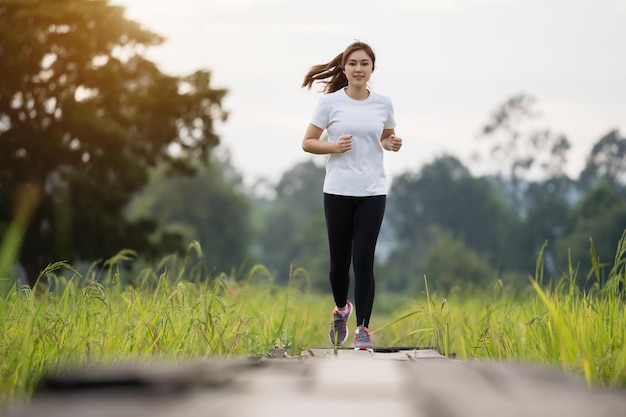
(419, 383)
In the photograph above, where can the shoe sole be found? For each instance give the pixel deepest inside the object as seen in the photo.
(364, 348)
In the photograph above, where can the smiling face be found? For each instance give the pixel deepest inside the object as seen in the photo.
(358, 68)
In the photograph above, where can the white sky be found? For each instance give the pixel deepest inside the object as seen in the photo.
(446, 65)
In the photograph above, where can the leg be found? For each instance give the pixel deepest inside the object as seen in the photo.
(367, 221)
(338, 212)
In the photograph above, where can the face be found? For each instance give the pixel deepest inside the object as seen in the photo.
(358, 68)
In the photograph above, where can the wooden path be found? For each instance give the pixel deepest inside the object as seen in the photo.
(393, 383)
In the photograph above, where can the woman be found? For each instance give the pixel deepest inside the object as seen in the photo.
(360, 125)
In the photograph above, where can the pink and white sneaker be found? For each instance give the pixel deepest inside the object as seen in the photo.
(362, 339)
(339, 325)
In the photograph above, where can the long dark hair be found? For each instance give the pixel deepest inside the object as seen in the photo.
(331, 74)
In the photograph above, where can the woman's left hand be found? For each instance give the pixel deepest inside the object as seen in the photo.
(394, 143)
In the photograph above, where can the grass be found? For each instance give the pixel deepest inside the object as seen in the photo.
(170, 311)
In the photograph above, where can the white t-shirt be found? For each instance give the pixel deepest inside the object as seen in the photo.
(360, 171)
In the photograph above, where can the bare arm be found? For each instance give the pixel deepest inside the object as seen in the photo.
(312, 143)
(390, 141)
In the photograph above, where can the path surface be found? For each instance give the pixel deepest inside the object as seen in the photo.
(401, 383)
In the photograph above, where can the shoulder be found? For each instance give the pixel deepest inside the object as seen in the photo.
(334, 96)
(380, 97)
(381, 100)
(331, 100)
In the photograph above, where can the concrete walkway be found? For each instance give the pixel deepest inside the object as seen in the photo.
(398, 383)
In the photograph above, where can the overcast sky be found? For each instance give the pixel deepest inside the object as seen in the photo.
(446, 65)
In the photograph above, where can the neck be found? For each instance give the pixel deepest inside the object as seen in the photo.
(360, 93)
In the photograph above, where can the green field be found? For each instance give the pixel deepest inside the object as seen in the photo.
(176, 314)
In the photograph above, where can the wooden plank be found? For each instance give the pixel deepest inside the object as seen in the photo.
(401, 383)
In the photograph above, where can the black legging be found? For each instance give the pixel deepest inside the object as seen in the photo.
(353, 225)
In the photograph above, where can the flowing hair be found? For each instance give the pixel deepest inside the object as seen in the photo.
(331, 74)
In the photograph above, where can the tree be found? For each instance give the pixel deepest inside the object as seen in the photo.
(208, 207)
(600, 220)
(83, 116)
(294, 229)
(548, 203)
(450, 263)
(607, 162)
(524, 150)
(443, 195)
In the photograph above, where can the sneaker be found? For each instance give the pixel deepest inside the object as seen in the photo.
(362, 340)
(339, 325)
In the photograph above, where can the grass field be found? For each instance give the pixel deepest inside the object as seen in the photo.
(179, 315)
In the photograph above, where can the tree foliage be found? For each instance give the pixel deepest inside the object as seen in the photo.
(451, 263)
(446, 221)
(606, 162)
(547, 219)
(445, 194)
(523, 149)
(209, 207)
(83, 116)
(294, 230)
(599, 220)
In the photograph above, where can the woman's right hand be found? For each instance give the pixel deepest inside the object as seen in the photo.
(344, 143)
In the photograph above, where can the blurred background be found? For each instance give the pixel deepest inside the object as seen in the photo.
(142, 125)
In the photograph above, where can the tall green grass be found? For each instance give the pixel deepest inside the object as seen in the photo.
(171, 311)
(77, 322)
